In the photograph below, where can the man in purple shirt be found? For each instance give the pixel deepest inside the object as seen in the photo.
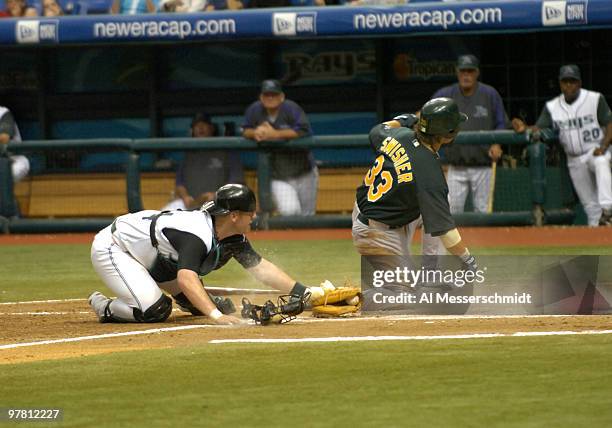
(295, 176)
(470, 165)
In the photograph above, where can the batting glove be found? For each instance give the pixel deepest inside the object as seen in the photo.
(406, 120)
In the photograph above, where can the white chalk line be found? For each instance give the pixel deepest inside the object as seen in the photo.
(47, 313)
(112, 335)
(31, 302)
(398, 338)
(295, 340)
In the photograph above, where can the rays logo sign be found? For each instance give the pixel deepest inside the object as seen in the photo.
(555, 13)
(294, 24)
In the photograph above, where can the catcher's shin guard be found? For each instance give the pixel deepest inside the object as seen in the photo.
(157, 312)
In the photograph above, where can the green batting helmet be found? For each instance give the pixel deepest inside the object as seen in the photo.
(231, 197)
(440, 116)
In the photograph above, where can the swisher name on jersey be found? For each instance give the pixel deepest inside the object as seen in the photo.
(401, 164)
(405, 181)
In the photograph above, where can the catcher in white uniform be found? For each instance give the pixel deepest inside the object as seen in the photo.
(584, 122)
(142, 253)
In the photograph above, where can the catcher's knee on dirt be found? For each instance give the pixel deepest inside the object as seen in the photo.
(157, 312)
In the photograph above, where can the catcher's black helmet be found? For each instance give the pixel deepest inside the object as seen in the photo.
(231, 197)
(440, 116)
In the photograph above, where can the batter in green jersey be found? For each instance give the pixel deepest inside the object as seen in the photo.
(406, 184)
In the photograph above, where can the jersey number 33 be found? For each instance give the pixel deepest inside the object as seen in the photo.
(375, 192)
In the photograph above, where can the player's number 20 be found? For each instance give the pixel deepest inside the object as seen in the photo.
(375, 192)
(591, 135)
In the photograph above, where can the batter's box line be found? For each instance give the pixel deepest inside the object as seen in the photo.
(401, 338)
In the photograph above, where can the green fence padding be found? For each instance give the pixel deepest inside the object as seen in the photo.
(495, 137)
(514, 218)
(30, 225)
(47, 145)
(515, 193)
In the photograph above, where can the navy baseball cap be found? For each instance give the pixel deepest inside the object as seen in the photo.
(569, 71)
(271, 86)
(467, 62)
(201, 117)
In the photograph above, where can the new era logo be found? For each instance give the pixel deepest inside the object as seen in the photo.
(553, 13)
(569, 12)
(576, 13)
(292, 24)
(283, 24)
(27, 31)
(306, 23)
(36, 31)
(48, 31)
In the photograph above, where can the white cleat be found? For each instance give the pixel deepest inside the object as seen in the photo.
(99, 303)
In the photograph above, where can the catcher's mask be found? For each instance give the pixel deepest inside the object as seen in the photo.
(288, 307)
(231, 197)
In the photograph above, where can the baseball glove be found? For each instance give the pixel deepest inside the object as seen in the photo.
(336, 302)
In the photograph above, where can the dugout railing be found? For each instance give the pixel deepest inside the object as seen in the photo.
(132, 170)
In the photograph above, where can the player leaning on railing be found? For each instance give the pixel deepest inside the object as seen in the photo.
(142, 253)
(406, 182)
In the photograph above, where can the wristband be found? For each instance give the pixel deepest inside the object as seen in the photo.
(216, 314)
(465, 256)
(298, 289)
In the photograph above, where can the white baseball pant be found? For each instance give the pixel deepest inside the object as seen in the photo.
(20, 166)
(592, 180)
(298, 195)
(128, 279)
(462, 179)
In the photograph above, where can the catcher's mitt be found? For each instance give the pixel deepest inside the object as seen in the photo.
(337, 302)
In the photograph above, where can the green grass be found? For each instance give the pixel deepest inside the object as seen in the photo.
(512, 382)
(57, 271)
(516, 382)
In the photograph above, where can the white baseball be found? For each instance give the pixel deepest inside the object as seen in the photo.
(353, 301)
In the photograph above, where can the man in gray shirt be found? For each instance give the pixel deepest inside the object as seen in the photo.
(470, 165)
(295, 176)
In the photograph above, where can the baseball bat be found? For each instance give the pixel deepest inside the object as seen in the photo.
(492, 187)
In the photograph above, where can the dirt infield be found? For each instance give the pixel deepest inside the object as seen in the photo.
(73, 323)
(475, 236)
(73, 330)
